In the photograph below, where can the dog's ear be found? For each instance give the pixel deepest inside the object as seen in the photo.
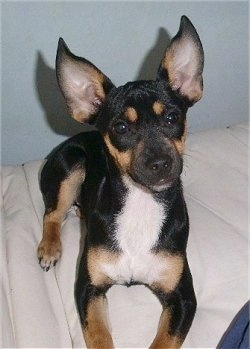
(83, 85)
(183, 63)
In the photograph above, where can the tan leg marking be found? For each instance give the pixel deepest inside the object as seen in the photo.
(49, 249)
(168, 280)
(96, 332)
(163, 339)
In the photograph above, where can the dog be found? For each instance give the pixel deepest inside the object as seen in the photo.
(127, 176)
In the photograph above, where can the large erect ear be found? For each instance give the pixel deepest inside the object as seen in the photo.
(183, 63)
(83, 85)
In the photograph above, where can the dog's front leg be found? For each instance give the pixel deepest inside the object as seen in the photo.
(179, 306)
(90, 294)
(92, 307)
(61, 180)
(96, 327)
(57, 203)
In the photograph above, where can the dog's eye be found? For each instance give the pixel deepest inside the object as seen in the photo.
(121, 127)
(171, 118)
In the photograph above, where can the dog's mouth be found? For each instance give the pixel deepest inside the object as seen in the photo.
(153, 185)
(163, 184)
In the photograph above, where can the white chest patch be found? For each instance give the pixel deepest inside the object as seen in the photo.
(138, 228)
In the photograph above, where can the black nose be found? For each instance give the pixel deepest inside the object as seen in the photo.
(159, 164)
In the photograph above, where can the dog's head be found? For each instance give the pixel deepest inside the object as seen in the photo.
(143, 123)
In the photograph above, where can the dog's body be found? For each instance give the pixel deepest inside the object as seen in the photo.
(127, 177)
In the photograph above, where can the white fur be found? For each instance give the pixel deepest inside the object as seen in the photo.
(138, 228)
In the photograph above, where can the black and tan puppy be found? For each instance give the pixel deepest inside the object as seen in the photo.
(127, 179)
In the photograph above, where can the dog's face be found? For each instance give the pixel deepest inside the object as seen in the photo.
(143, 123)
(144, 128)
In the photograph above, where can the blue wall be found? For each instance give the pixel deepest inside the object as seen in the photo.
(126, 40)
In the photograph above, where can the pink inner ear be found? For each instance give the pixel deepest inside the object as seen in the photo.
(82, 88)
(182, 62)
(189, 86)
(84, 102)
(192, 89)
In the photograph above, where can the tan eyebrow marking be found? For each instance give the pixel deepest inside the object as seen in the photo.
(180, 144)
(131, 114)
(158, 107)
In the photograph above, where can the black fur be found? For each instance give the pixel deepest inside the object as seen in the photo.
(150, 145)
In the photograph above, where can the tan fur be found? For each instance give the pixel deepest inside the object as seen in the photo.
(96, 333)
(163, 339)
(180, 144)
(97, 257)
(158, 108)
(49, 249)
(122, 159)
(131, 114)
(171, 274)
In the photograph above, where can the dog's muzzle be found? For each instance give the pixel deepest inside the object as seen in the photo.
(157, 167)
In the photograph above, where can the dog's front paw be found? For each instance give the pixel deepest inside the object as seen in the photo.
(48, 253)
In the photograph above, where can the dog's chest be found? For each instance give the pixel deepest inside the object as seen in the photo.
(139, 223)
(137, 230)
